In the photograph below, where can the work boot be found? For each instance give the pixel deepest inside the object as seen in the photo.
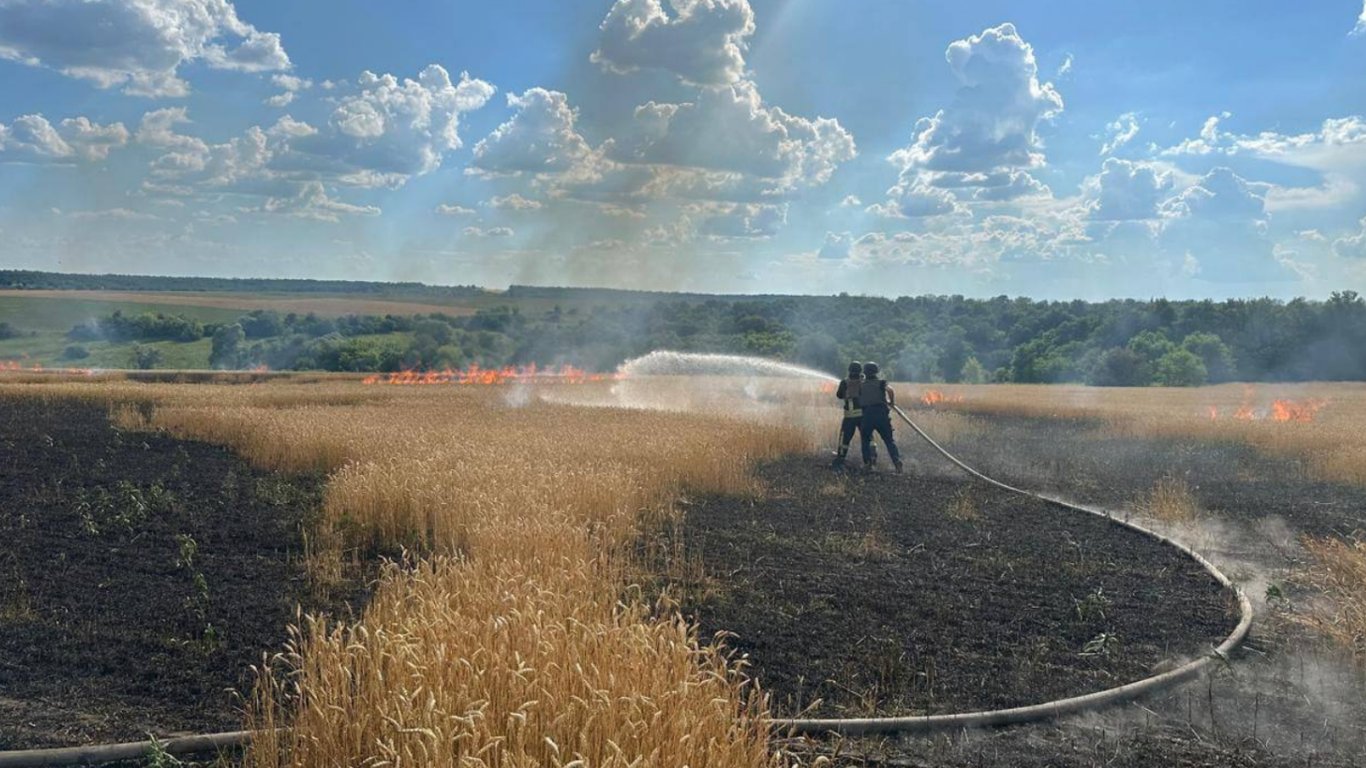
(899, 466)
(837, 463)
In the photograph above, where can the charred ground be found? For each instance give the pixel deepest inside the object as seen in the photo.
(874, 594)
(140, 577)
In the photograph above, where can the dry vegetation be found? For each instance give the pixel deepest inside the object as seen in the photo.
(1172, 501)
(504, 638)
(1339, 572)
(1331, 447)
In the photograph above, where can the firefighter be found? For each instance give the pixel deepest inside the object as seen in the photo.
(848, 392)
(876, 399)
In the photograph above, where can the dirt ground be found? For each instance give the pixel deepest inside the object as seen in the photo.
(140, 577)
(859, 594)
(1286, 699)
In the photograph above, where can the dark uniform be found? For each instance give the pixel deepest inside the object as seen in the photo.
(848, 392)
(875, 400)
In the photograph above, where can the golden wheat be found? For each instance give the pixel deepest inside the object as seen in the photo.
(511, 644)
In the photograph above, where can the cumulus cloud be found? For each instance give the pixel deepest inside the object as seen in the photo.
(540, 137)
(1352, 246)
(514, 202)
(31, 138)
(390, 129)
(836, 247)
(984, 142)
(701, 41)
(380, 133)
(291, 86)
(1126, 191)
(478, 232)
(729, 129)
(1119, 132)
(311, 201)
(851, 201)
(1207, 142)
(454, 209)
(1221, 223)
(136, 44)
(737, 220)
(1360, 28)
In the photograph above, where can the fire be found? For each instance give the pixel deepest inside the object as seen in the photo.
(935, 397)
(15, 366)
(828, 388)
(1290, 410)
(565, 374)
(1282, 410)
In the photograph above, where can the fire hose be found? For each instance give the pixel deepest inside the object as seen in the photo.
(1059, 707)
(216, 742)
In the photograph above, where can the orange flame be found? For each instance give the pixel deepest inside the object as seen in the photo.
(565, 374)
(935, 397)
(1282, 410)
(1290, 410)
(16, 366)
(828, 388)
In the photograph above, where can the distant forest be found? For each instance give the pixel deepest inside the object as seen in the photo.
(926, 338)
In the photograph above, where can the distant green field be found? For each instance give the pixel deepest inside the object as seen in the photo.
(45, 317)
(40, 313)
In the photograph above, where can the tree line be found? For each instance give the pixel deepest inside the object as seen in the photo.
(927, 338)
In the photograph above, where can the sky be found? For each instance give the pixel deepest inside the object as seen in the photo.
(1060, 150)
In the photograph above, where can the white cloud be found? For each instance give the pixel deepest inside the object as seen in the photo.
(292, 85)
(1221, 222)
(737, 220)
(1207, 142)
(1065, 68)
(311, 201)
(480, 233)
(389, 130)
(982, 144)
(120, 214)
(453, 209)
(1120, 132)
(700, 41)
(514, 202)
(851, 201)
(137, 44)
(729, 129)
(31, 138)
(539, 138)
(1352, 246)
(1360, 28)
(1126, 191)
(836, 247)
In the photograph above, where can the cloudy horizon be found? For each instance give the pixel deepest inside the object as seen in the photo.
(728, 146)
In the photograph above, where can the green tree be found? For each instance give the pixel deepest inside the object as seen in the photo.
(973, 372)
(227, 348)
(1121, 367)
(145, 357)
(1181, 368)
(1214, 353)
(917, 361)
(819, 351)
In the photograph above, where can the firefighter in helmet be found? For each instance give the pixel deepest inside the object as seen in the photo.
(876, 399)
(848, 392)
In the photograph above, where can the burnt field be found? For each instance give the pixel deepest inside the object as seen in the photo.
(859, 594)
(140, 577)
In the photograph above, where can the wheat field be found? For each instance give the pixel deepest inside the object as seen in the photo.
(506, 635)
(504, 632)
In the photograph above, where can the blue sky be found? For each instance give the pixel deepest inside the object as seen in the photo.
(1057, 150)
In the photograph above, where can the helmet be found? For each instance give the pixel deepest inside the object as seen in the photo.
(855, 368)
(871, 369)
